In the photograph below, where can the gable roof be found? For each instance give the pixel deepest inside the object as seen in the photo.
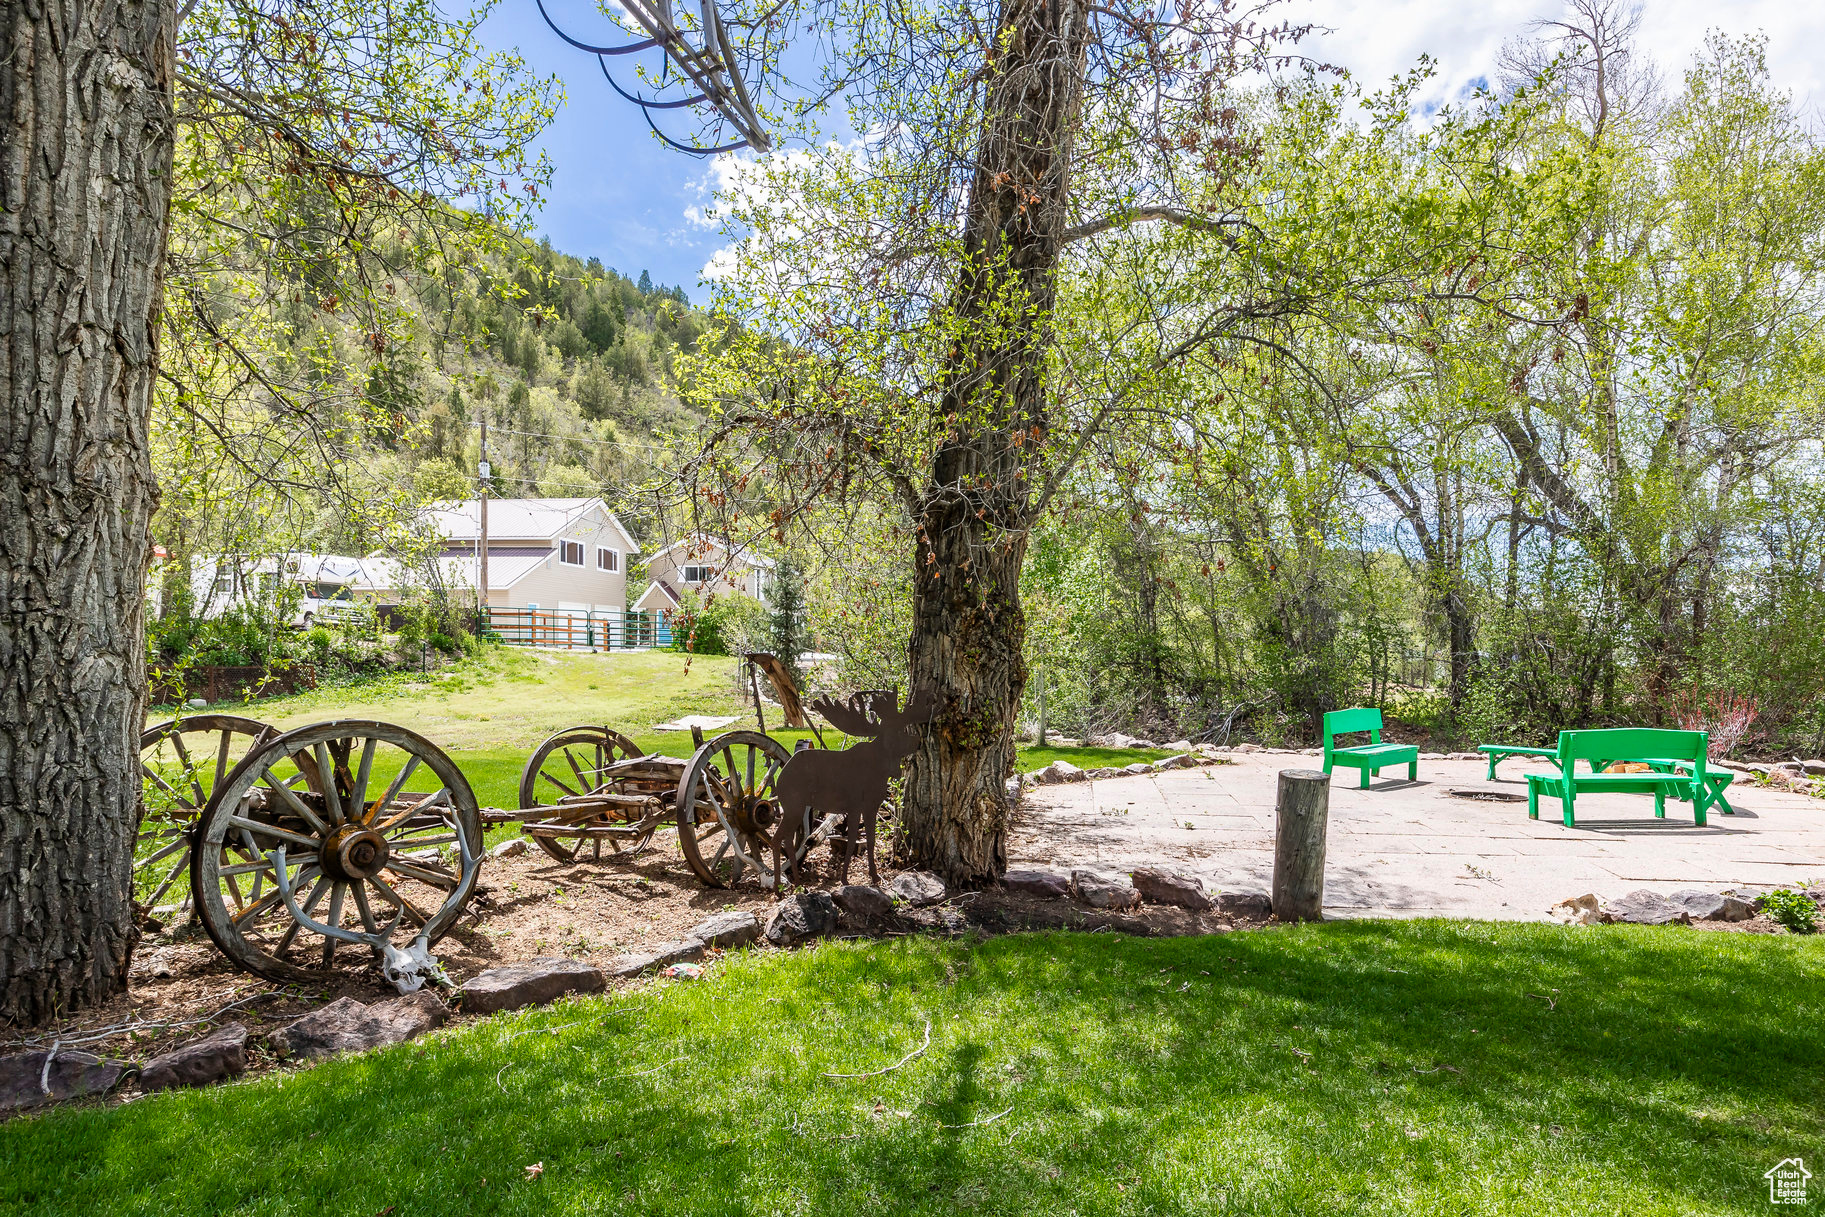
(702, 543)
(390, 574)
(519, 519)
(658, 595)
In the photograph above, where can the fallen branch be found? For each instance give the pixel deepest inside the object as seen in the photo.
(978, 1123)
(539, 1031)
(125, 1028)
(911, 1056)
(1552, 1003)
(643, 1072)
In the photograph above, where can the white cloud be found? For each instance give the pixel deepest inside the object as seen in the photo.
(1379, 40)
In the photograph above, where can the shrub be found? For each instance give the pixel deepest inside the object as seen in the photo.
(1795, 910)
(717, 626)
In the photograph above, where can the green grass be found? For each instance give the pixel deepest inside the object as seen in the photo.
(491, 711)
(1346, 1068)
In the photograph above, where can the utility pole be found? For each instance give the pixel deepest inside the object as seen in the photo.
(481, 582)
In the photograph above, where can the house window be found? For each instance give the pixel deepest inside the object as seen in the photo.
(607, 559)
(570, 553)
(696, 574)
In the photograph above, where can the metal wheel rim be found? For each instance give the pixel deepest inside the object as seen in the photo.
(610, 746)
(706, 784)
(260, 933)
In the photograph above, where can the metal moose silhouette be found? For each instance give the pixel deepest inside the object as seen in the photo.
(851, 782)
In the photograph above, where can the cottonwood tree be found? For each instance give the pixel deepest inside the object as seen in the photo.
(898, 294)
(86, 104)
(293, 136)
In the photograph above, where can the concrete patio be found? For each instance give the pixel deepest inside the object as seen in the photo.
(1412, 849)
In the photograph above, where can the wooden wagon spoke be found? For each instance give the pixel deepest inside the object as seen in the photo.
(560, 785)
(182, 842)
(297, 805)
(264, 904)
(309, 907)
(221, 758)
(272, 830)
(415, 809)
(394, 787)
(334, 921)
(183, 758)
(386, 889)
(326, 769)
(154, 776)
(359, 890)
(358, 795)
(182, 865)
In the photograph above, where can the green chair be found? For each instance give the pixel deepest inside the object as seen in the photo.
(1371, 757)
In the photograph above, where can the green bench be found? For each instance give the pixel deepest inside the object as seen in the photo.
(1678, 769)
(1500, 752)
(1371, 757)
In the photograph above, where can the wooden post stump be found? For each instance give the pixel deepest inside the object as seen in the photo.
(1302, 809)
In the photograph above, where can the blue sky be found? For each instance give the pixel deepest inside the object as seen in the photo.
(620, 195)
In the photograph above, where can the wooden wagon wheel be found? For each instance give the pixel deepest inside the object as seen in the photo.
(386, 850)
(728, 819)
(181, 761)
(569, 764)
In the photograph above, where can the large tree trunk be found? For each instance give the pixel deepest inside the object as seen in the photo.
(85, 189)
(968, 628)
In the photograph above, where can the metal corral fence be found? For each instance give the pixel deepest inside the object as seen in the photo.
(573, 629)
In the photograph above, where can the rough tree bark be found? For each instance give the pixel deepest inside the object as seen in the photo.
(86, 111)
(968, 627)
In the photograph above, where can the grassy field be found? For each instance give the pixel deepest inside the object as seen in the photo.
(1362, 1068)
(490, 712)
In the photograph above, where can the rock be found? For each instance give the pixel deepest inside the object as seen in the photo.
(1642, 907)
(917, 887)
(797, 918)
(73, 1075)
(1181, 761)
(1158, 886)
(1049, 885)
(1138, 768)
(509, 849)
(1431, 756)
(863, 904)
(1012, 786)
(532, 983)
(1248, 748)
(1056, 772)
(345, 1025)
(1178, 745)
(218, 1056)
(664, 955)
(196, 703)
(1105, 772)
(735, 928)
(1712, 906)
(1464, 756)
(1248, 905)
(1103, 891)
(1813, 769)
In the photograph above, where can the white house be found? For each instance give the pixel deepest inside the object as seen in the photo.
(554, 555)
(702, 564)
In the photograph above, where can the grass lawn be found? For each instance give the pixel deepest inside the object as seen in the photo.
(1366, 1067)
(490, 712)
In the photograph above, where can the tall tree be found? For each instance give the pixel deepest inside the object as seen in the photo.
(917, 273)
(85, 192)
